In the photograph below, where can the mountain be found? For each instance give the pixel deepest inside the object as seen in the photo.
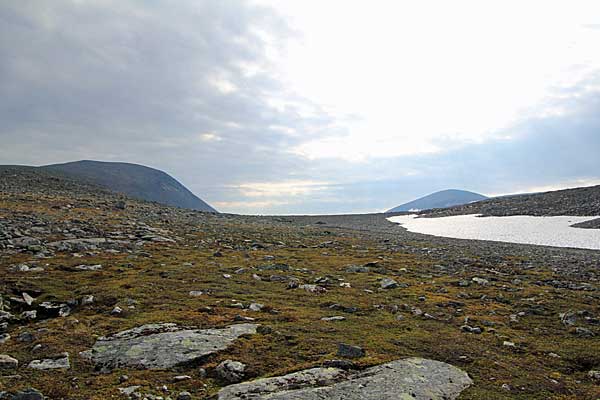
(442, 199)
(133, 180)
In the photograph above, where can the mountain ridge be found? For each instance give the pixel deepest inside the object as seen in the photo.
(134, 180)
(441, 199)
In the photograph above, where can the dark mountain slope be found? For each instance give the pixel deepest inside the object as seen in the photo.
(133, 180)
(583, 201)
(442, 199)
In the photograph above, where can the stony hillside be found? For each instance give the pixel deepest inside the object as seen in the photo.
(574, 202)
(133, 180)
(105, 297)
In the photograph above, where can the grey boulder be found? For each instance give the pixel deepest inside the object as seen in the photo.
(161, 346)
(388, 283)
(231, 371)
(8, 362)
(60, 362)
(411, 378)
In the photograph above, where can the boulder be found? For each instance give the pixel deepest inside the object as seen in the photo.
(411, 378)
(348, 351)
(60, 362)
(388, 283)
(161, 346)
(8, 362)
(231, 371)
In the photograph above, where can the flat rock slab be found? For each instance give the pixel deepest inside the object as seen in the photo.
(407, 379)
(161, 346)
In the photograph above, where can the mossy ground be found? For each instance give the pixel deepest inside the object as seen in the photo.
(157, 288)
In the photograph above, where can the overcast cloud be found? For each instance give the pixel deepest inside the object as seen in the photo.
(204, 91)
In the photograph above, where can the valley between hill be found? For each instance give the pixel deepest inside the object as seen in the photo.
(79, 264)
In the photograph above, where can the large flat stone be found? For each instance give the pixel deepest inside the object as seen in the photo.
(407, 379)
(161, 346)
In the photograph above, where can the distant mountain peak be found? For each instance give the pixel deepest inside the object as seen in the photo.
(442, 199)
(134, 180)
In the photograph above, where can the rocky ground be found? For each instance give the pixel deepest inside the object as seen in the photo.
(106, 297)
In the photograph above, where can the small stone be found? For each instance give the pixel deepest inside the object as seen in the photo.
(506, 343)
(96, 267)
(594, 375)
(184, 396)
(25, 337)
(568, 318)
(231, 371)
(388, 283)
(471, 329)
(256, 307)
(583, 332)
(196, 293)
(29, 314)
(87, 299)
(227, 276)
(116, 311)
(180, 378)
(129, 390)
(4, 338)
(313, 288)
(28, 299)
(7, 362)
(480, 281)
(241, 318)
(349, 351)
(123, 378)
(335, 318)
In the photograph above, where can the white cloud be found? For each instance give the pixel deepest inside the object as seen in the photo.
(418, 72)
(280, 189)
(209, 137)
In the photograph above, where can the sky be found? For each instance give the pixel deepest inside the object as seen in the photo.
(308, 107)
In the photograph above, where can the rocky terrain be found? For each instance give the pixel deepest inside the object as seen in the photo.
(583, 202)
(103, 296)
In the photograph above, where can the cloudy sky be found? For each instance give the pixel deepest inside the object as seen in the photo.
(280, 107)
